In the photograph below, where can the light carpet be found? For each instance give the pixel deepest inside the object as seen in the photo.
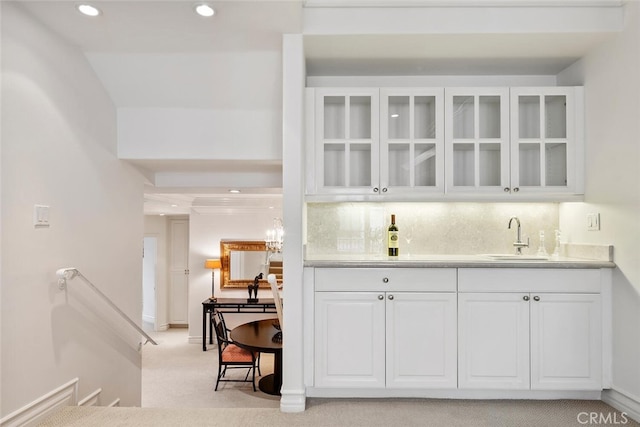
(356, 412)
(177, 390)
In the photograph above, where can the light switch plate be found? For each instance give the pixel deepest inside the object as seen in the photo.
(40, 216)
(593, 221)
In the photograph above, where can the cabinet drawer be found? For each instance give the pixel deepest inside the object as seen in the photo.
(386, 279)
(529, 280)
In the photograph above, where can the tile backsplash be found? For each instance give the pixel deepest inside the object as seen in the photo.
(426, 228)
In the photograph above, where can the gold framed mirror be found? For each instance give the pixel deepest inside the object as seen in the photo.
(242, 261)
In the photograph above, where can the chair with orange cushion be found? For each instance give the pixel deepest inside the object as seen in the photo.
(233, 357)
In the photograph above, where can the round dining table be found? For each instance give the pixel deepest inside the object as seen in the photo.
(262, 336)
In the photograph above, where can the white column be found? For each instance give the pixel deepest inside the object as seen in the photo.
(293, 74)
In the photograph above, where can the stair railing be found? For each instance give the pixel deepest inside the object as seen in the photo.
(69, 273)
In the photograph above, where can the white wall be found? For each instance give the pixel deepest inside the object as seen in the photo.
(612, 96)
(58, 149)
(205, 233)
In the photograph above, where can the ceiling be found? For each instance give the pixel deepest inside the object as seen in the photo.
(152, 54)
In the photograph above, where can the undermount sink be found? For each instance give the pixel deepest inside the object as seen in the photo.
(514, 257)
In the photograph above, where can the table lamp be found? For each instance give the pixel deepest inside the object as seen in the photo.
(213, 264)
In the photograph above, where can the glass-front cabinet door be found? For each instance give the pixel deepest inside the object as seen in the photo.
(477, 140)
(347, 140)
(544, 139)
(412, 140)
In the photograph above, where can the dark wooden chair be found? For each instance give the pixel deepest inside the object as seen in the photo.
(230, 356)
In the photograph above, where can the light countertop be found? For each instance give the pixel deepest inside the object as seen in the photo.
(450, 261)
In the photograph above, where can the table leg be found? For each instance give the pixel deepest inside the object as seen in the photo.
(204, 328)
(277, 371)
(272, 383)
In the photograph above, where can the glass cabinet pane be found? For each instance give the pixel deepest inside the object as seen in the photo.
(556, 164)
(425, 117)
(489, 116)
(555, 116)
(360, 117)
(399, 165)
(529, 164)
(463, 117)
(529, 116)
(334, 165)
(360, 165)
(489, 164)
(399, 117)
(425, 165)
(463, 164)
(334, 116)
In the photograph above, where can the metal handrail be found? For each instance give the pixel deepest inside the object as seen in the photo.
(65, 274)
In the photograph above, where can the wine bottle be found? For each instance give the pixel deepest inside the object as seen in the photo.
(393, 240)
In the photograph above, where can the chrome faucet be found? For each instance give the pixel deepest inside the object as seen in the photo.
(518, 244)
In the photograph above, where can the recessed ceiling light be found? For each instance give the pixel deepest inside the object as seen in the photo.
(395, 116)
(174, 206)
(162, 214)
(234, 191)
(88, 10)
(204, 10)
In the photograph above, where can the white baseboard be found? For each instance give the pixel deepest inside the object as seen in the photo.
(45, 406)
(623, 403)
(91, 400)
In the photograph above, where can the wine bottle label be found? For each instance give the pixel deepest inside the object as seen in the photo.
(393, 239)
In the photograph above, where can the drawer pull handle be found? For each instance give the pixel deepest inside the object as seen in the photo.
(385, 280)
(390, 297)
(526, 298)
(380, 297)
(536, 298)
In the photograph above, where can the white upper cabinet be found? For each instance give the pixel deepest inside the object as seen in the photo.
(483, 143)
(546, 140)
(411, 140)
(347, 144)
(477, 140)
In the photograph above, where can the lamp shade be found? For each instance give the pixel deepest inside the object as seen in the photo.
(212, 264)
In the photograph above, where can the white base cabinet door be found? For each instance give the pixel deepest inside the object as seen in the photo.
(566, 342)
(421, 340)
(493, 341)
(349, 340)
(393, 340)
(537, 341)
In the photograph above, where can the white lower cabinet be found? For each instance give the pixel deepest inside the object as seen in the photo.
(385, 328)
(385, 339)
(530, 340)
(451, 332)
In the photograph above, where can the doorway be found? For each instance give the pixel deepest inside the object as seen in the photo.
(149, 282)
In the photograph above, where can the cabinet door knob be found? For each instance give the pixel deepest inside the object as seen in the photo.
(506, 189)
(526, 297)
(375, 189)
(390, 297)
(515, 190)
(380, 297)
(384, 190)
(536, 298)
(385, 280)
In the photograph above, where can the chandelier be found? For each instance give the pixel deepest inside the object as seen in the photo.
(275, 236)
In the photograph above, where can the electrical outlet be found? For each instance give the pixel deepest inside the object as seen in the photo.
(593, 221)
